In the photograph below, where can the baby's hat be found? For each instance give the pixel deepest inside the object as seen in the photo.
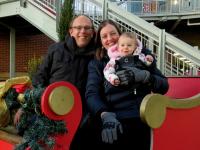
(139, 48)
(113, 52)
(139, 44)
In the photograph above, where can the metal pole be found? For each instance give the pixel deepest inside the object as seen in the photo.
(12, 49)
(82, 6)
(12, 52)
(58, 11)
(161, 51)
(23, 3)
(105, 9)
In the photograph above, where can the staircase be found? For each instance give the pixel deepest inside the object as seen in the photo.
(39, 13)
(174, 57)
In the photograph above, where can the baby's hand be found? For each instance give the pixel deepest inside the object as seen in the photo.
(115, 82)
(149, 59)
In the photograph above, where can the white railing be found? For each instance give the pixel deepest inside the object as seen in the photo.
(6, 1)
(174, 57)
(48, 6)
(160, 7)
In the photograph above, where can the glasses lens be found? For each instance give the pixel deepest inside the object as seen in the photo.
(79, 28)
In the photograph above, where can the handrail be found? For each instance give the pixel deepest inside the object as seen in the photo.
(45, 6)
(7, 1)
(51, 8)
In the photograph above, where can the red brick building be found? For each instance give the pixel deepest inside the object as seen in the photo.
(26, 30)
(27, 46)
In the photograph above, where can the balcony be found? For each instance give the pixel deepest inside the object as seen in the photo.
(162, 9)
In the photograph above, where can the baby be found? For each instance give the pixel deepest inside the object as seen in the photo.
(128, 45)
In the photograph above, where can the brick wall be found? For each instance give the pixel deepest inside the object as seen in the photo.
(26, 47)
(4, 52)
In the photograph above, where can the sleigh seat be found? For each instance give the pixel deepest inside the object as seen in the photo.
(174, 117)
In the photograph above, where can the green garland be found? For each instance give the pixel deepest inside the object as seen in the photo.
(37, 130)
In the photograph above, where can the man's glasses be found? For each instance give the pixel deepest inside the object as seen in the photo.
(86, 28)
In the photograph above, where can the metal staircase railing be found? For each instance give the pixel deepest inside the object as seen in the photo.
(50, 8)
(174, 57)
(40, 13)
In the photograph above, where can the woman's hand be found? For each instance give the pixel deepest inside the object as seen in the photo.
(111, 127)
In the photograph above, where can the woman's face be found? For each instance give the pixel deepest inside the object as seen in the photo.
(109, 36)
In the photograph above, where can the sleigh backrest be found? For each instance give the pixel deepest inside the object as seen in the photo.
(181, 127)
(183, 87)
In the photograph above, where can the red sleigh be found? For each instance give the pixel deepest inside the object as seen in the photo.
(174, 117)
(60, 101)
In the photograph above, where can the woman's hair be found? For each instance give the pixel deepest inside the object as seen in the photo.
(101, 52)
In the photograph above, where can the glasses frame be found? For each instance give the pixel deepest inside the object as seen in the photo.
(86, 28)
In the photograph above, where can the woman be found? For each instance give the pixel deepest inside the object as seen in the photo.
(116, 109)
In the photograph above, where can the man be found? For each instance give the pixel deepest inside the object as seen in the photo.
(68, 61)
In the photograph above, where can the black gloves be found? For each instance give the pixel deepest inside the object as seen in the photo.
(141, 76)
(126, 77)
(133, 75)
(111, 126)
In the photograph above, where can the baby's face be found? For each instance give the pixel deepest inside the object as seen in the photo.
(126, 46)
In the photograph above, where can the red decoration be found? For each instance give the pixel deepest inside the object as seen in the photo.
(72, 119)
(20, 88)
(146, 7)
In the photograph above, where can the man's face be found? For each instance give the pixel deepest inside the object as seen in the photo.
(82, 31)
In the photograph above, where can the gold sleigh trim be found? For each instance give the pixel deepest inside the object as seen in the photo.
(153, 107)
(13, 81)
(4, 112)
